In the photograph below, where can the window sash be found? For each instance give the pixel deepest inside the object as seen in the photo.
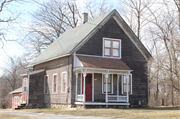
(109, 83)
(107, 43)
(64, 78)
(46, 84)
(55, 84)
(125, 83)
(112, 49)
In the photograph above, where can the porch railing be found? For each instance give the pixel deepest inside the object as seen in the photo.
(115, 98)
(80, 98)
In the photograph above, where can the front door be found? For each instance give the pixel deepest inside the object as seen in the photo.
(88, 87)
(24, 90)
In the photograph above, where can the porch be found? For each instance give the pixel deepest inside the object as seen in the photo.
(97, 77)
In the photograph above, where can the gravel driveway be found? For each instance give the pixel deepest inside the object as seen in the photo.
(49, 116)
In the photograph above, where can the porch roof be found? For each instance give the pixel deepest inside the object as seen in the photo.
(103, 63)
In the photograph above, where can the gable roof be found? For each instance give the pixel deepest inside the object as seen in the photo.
(103, 63)
(19, 90)
(70, 41)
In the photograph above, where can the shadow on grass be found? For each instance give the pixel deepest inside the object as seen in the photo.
(141, 108)
(157, 108)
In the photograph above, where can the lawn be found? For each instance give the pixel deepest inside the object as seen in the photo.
(131, 113)
(11, 116)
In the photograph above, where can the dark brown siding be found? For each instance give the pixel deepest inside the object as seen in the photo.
(56, 66)
(130, 56)
(98, 95)
(36, 88)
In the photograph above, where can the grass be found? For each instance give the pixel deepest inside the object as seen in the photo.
(131, 113)
(11, 116)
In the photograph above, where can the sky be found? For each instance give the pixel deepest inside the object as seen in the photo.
(13, 48)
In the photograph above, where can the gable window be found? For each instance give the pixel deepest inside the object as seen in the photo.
(109, 83)
(64, 80)
(46, 84)
(125, 84)
(54, 83)
(112, 47)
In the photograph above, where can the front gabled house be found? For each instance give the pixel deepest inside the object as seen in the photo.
(96, 63)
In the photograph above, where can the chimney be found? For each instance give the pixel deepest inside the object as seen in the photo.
(84, 17)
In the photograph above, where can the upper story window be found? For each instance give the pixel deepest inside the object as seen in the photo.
(112, 47)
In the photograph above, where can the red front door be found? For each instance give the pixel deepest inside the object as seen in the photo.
(24, 90)
(88, 87)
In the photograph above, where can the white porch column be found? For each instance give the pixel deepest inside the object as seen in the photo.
(118, 86)
(106, 76)
(84, 71)
(76, 85)
(127, 93)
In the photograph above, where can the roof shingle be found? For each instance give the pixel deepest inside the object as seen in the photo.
(104, 63)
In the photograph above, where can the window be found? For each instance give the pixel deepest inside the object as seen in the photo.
(112, 47)
(54, 83)
(109, 83)
(64, 79)
(46, 84)
(25, 81)
(124, 84)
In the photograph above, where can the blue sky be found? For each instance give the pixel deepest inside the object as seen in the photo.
(13, 48)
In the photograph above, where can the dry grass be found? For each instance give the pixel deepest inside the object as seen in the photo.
(11, 116)
(134, 113)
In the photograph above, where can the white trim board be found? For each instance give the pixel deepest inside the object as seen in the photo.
(100, 103)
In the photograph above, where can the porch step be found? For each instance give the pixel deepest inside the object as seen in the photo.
(22, 106)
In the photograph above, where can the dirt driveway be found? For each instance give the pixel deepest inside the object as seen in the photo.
(46, 116)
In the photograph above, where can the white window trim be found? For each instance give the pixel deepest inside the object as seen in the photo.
(62, 82)
(122, 84)
(47, 83)
(81, 84)
(103, 85)
(119, 48)
(53, 83)
(92, 87)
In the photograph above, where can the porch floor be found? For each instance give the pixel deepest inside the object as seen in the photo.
(100, 103)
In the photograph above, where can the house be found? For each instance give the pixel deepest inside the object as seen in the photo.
(101, 57)
(16, 97)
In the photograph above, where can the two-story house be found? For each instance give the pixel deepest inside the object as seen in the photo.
(96, 63)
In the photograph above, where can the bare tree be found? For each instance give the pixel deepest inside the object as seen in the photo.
(165, 30)
(135, 13)
(7, 18)
(11, 80)
(53, 18)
